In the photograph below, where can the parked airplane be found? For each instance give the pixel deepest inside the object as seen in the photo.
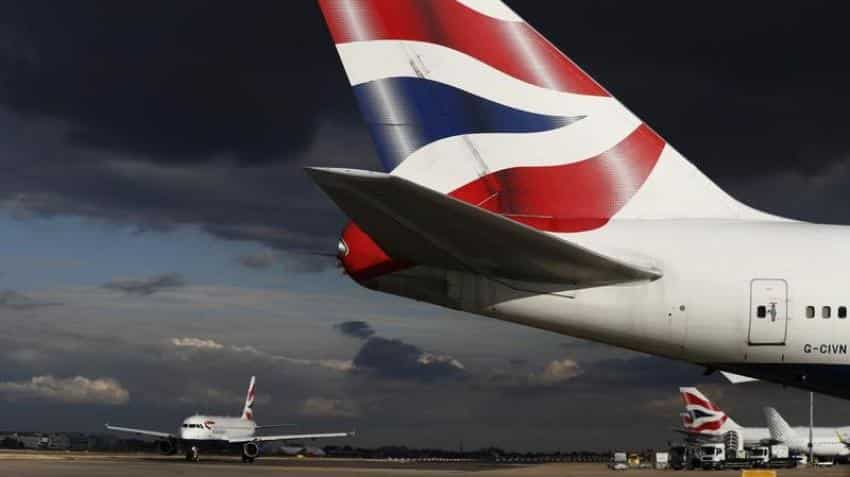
(827, 442)
(704, 421)
(202, 431)
(518, 188)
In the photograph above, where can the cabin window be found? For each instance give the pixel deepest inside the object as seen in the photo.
(761, 311)
(842, 312)
(185, 425)
(810, 312)
(826, 312)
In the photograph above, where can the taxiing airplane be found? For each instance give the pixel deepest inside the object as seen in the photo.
(704, 421)
(519, 188)
(202, 431)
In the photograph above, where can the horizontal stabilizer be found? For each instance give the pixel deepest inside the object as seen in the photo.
(416, 224)
(737, 378)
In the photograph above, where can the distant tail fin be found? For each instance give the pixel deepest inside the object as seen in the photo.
(464, 97)
(687, 420)
(779, 429)
(248, 410)
(704, 416)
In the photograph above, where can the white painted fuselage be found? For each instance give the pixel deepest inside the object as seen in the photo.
(216, 428)
(701, 309)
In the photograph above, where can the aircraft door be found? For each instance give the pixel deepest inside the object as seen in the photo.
(768, 311)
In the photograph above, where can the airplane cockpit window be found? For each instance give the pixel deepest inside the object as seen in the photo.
(842, 312)
(761, 311)
(185, 425)
(810, 312)
(826, 312)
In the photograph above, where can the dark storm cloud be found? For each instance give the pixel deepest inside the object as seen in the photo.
(174, 81)
(170, 114)
(259, 261)
(395, 359)
(356, 329)
(147, 286)
(647, 372)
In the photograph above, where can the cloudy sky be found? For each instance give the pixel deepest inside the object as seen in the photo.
(156, 224)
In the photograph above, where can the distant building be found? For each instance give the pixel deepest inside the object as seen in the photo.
(33, 440)
(58, 441)
(78, 441)
(103, 442)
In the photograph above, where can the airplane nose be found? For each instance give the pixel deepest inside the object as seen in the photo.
(362, 258)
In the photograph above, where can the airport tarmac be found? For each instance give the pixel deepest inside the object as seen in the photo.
(44, 464)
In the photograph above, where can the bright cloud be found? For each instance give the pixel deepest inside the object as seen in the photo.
(75, 390)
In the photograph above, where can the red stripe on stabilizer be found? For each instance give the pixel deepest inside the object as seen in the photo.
(572, 197)
(691, 400)
(710, 426)
(511, 47)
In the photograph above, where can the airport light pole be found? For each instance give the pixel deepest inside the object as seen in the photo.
(811, 428)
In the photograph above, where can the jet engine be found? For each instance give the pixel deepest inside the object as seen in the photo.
(250, 450)
(167, 447)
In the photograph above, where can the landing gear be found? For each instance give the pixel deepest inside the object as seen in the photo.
(193, 454)
(247, 460)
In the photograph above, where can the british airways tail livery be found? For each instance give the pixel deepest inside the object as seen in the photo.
(248, 410)
(515, 186)
(704, 421)
(702, 415)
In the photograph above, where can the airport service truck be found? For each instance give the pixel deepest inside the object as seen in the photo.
(619, 461)
(718, 456)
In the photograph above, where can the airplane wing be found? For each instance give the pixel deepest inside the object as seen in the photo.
(417, 224)
(274, 426)
(288, 437)
(142, 432)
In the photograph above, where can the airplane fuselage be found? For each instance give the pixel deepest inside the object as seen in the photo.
(747, 297)
(215, 428)
(826, 442)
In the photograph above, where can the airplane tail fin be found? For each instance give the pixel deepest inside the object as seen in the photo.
(779, 428)
(687, 420)
(248, 410)
(466, 98)
(703, 415)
